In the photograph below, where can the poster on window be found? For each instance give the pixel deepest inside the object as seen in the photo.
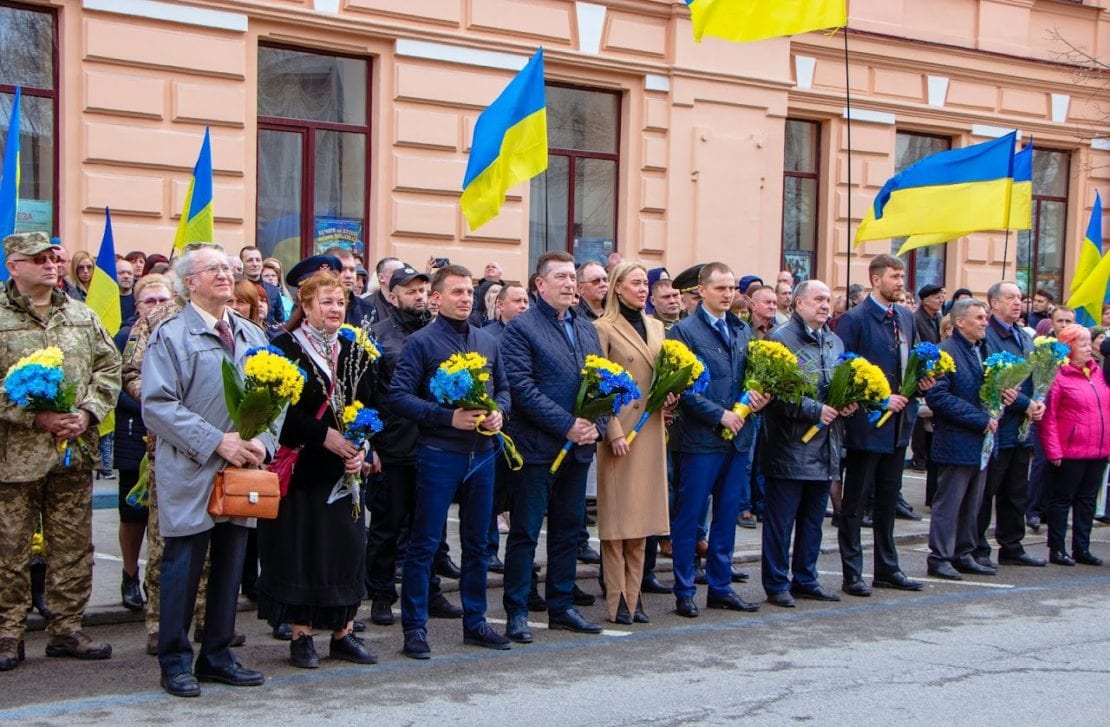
(34, 215)
(801, 264)
(344, 232)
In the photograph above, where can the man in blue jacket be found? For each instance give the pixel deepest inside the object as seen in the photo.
(544, 350)
(1008, 471)
(883, 333)
(709, 464)
(456, 455)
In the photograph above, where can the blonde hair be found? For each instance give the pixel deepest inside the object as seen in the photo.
(612, 299)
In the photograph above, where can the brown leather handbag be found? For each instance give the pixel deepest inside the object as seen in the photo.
(242, 492)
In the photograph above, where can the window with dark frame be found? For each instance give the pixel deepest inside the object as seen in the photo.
(801, 176)
(925, 265)
(28, 48)
(1041, 251)
(313, 153)
(574, 203)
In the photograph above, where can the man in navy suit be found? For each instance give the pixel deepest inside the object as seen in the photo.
(883, 333)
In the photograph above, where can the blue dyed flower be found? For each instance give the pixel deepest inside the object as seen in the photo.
(702, 383)
(846, 356)
(33, 383)
(268, 349)
(448, 388)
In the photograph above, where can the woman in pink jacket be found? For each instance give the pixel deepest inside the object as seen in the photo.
(1075, 435)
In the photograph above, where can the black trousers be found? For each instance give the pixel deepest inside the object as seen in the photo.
(1073, 486)
(1007, 489)
(182, 563)
(882, 475)
(921, 442)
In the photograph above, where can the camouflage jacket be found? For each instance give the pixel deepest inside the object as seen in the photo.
(91, 362)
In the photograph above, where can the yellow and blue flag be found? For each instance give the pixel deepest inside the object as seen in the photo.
(9, 179)
(1021, 206)
(509, 146)
(103, 296)
(1090, 287)
(961, 189)
(197, 222)
(746, 20)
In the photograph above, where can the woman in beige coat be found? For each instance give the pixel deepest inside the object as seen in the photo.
(631, 481)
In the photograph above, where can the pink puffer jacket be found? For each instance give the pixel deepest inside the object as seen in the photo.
(1076, 422)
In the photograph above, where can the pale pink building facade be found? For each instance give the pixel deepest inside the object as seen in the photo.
(672, 152)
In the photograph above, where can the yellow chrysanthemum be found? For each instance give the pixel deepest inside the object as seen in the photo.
(350, 412)
(50, 357)
(944, 365)
(276, 372)
(363, 341)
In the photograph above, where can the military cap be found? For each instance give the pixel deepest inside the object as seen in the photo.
(302, 270)
(405, 275)
(687, 280)
(26, 243)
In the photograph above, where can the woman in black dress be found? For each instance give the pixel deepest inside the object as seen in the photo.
(313, 555)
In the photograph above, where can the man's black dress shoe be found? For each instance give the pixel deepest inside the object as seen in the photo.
(581, 598)
(440, 607)
(651, 584)
(381, 612)
(739, 576)
(1022, 559)
(730, 602)
(302, 653)
(781, 598)
(571, 620)
(640, 617)
(236, 675)
(903, 511)
(1033, 523)
(623, 617)
(130, 592)
(1087, 558)
(856, 587)
(815, 594)
(684, 606)
(446, 568)
(353, 649)
(1059, 557)
(866, 522)
(536, 602)
(283, 632)
(496, 565)
(945, 570)
(487, 638)
(897, 581)
(699, 577)
(986, 562)
(967, 564)
(588, 555)
(358, 626)
(416, 645)
(517, 629)
(181, 685)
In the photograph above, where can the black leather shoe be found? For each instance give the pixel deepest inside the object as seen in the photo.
(536, 603)
(416, 645)
(856, 587)
(944, 570)
(739, 576)
(781, 598)
(898, 582)
(903, 511)
(571, 620)
(130, 592)
(640, 616)
(496, 565)
(236, 675)
(283, 632)
(731, 602)
(651, 584)
(446, 568)
(866, 522)
(1087, 558)
(358, 626)
(699, 577)
(302, 653)
(623, 617)
(684, 606)
(1023, 559)
(968, 565)
(353, 649)
(517, 629)
(581, 598)
(986, 562)
(440, 607)
(181, 685)
(816, 594)
(1033, 523)
(487, 638)
(588, 555)
(381, 612)
(1059, 557)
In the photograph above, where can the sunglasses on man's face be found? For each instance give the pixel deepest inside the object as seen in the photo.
(41, 258)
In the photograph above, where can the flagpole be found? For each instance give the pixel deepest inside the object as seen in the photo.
(1005, 252)
(848, 117)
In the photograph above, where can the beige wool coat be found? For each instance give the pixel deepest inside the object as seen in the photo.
(632, 490)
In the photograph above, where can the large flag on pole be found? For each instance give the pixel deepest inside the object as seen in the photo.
(746, 20)
(962, 189)
(197, 223)
(9, 179)
(509, 146)
(1021, 206)
(1091, 285)
(103, 297)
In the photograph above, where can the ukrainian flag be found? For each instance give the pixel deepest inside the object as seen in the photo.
(9, 179)
(510, 144)
(1021, 206)
(103, 296)
(197, 222)
(745, 20)
(1091, 285)
(961, 189)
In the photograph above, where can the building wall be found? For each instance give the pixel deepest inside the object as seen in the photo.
(702, 124)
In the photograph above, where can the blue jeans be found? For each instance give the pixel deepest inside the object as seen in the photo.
(799, 506)
(439, 475)
(718, 474)
(563, 497)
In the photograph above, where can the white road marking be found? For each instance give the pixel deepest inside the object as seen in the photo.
(982, 584)
(543, 626)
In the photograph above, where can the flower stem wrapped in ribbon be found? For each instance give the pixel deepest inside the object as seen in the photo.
(772, 370)
(606, 388)
(1001, 371)
(271, 382)
(1044, 362)
(460, 382)
(37, 383)
(677, 370)
(360, 424)
(855, 380)
(926, 359)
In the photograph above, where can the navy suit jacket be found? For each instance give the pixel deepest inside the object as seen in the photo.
(697, 430)
(867, 331)
(999, 338)
(959, 420)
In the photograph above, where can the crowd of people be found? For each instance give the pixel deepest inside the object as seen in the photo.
(697, 471)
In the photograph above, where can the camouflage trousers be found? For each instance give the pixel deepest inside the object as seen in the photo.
(154, 547)
(64, 498)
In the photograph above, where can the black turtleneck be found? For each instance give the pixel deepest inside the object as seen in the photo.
(635, 316)
(410, 322)
(457, 326)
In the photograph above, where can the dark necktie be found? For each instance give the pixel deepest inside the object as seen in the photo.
(723, 330)
(224, 332)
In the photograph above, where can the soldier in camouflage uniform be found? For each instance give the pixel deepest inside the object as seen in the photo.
(34, 314)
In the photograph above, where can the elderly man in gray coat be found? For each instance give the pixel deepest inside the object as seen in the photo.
(183, 403)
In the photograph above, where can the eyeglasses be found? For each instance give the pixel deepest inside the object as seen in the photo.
(596, 281)
(40, 259)
(213, 269)
(158, 301)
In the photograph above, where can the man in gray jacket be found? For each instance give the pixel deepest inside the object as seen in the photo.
(183, 403)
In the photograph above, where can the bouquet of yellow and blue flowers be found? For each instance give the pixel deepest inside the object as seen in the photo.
(460, 381)
(38, 383)
(360, 424)
(855, 380)
(1001, 371)
(772, 370)
(271, 382)
(1044, 363)
(925, 360)
(606, 388)
(677, 370)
